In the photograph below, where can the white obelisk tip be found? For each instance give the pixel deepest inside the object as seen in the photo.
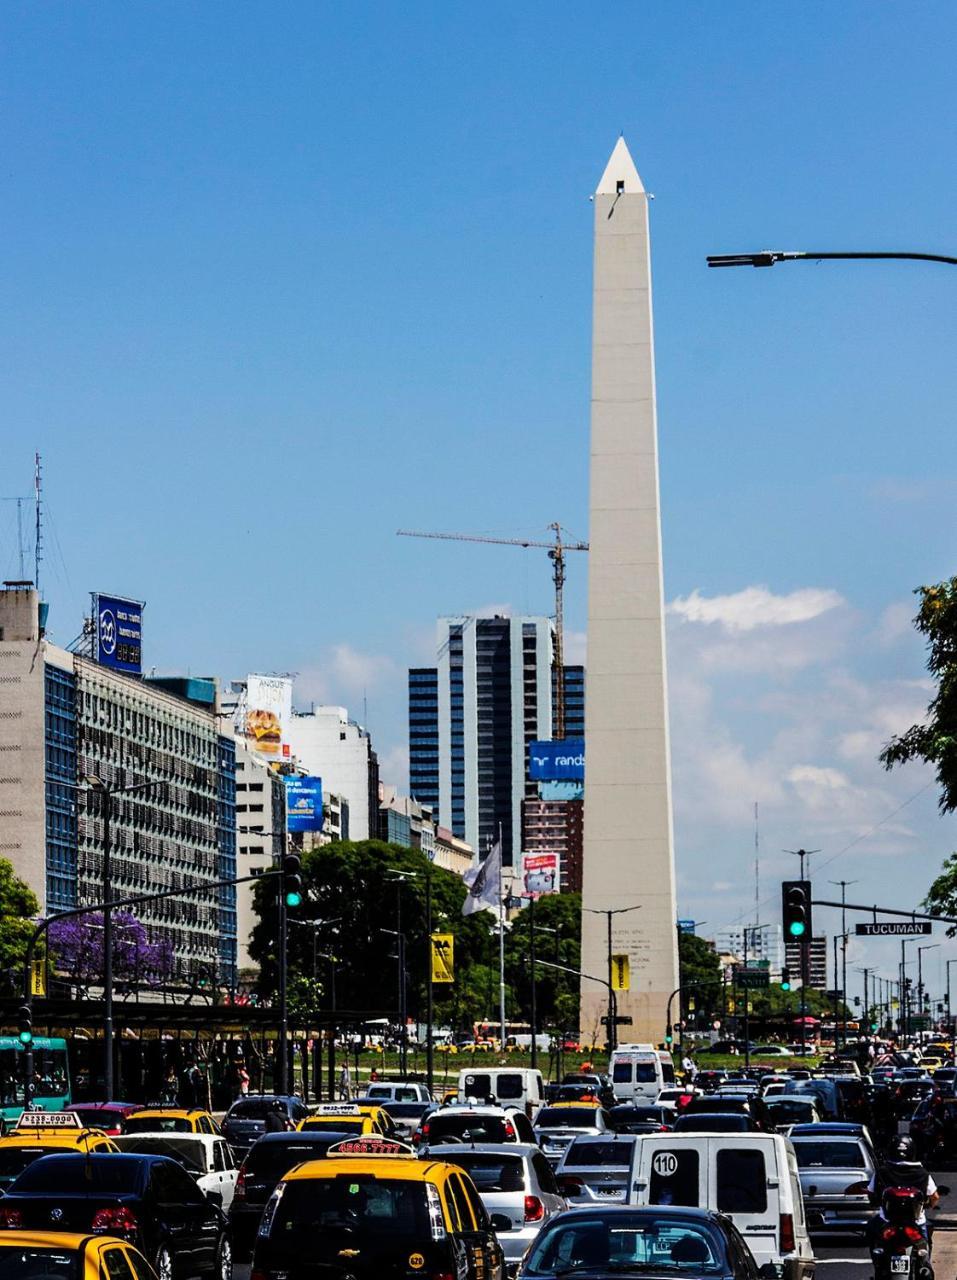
(620, 174)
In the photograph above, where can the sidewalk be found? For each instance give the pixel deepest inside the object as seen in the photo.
(944, 1257)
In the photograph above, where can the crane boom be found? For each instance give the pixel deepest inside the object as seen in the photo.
(556, 553)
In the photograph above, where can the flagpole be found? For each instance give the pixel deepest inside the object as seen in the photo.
(501, 948)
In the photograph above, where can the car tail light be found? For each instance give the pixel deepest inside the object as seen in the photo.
(683, 1100)
(570, 1186)
(534, 1209)
(857, 1189)
(258, 1275)
(239, 1191)
(10, 1218)
(787, 1233)
(509, 1129)
(436, 1275)
(119, 1221)
(664, 1128)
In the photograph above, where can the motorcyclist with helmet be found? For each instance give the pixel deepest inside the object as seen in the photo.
(902, 1170)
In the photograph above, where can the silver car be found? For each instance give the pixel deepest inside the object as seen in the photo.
(516, 1185)
(557, 1127)
(597, 1170)
(834, 1172)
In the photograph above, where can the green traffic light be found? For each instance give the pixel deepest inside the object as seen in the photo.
(26, 1037)
(785, 986)
(796, 928)
(293, 899)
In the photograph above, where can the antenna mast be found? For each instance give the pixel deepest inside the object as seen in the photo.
(38, 538)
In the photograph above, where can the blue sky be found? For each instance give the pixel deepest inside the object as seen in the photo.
(281, 279)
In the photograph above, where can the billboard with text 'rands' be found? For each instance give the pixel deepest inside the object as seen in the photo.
(557, 761)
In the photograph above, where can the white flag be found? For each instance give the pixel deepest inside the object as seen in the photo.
(485, 883)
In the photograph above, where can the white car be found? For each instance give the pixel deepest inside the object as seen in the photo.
(672, 1096)
(206, 1156)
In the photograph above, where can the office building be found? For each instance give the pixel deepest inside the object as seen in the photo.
(260, 838)
(817, 962)
(556, 826)
(471, 719)
(65, 721)
(330, 746)
(766, 943)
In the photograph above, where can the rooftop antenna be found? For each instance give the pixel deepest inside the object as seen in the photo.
(38, 538)
(20, 534)
(757, 867)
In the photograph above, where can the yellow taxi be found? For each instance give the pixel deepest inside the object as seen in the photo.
(64, 1255)
(46, 1133)
(170, 1120)
(372, 1208)
(349, 1117)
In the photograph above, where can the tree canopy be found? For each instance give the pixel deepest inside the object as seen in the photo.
(77, 948)
(19, 909)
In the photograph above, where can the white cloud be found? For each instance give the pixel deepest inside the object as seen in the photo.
(394, 767)
(342, 675)
(576, 647)
(755, 607)
(896, 621)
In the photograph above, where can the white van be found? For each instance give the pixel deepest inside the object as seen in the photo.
(751, 1177)
(639, 1072)
(503, 1086)
(386, 1091)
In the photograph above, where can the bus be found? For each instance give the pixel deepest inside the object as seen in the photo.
(51, 1075)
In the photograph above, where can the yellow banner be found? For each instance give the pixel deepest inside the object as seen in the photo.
(38, 978)
(620, 973)
(443, 957)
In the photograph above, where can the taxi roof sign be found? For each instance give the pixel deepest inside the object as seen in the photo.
(337, 1109)
(370, 1145)
(49, 1120)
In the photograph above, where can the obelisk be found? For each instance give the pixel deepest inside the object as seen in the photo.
(628, 840)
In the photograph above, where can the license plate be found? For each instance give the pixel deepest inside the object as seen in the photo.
(900, 1265)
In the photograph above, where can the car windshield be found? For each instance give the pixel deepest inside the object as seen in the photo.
(342, 1125)
(829, 1155)
(589, 1154)
(348, 1207)
(469, 1126)
(77, 1173)
(188, 1153)
(271, 1160)
(788, 1111)
(157, 1124)
(567, 1118)
(101, 1118)
(254, 1109)
(17, 1263)
(492, 1172)
(405, 1110)
(627, 1242)
(13, 1160)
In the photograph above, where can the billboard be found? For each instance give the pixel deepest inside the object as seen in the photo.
(443, 957)
(540, 874)
(563, 760)
(303, 803)
(268, 711)
(687, 926)
(118, 633)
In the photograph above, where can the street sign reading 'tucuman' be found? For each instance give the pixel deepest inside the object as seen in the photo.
(899, 929)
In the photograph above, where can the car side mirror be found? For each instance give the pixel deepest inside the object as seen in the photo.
(768, 1272)
(501, 1222)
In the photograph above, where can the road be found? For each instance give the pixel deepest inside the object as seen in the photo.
(845, 1258)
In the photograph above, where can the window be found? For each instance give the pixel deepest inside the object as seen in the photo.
(742, 1181)
(458, 1204)
(674, 1177)
(115, 1266)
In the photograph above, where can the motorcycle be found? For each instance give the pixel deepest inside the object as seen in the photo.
(899, 1247)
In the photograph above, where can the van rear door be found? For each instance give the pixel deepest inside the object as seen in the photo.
(672, 1174)
(744, 1184)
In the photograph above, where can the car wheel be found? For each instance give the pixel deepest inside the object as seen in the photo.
(224, 1259)
(164, 1264)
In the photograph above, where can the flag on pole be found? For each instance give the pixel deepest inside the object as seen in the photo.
(485, 883)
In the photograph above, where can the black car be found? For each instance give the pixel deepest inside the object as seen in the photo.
(598, 1085)
(632, 1117)
(250, 1117)
(150, 1201)
(717, 1122)
(267, 1161)
(603, 1239)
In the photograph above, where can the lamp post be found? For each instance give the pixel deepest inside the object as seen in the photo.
(612, 1013)
(612, 1000)
(315, 926)
(768, 257)
(748, 928)
(843, 886)
(950, 1016)
(930, 946)
(106, 795)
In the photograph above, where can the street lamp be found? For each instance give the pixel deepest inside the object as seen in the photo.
(612, 1025)
(930, 946)
(768, 257)
(106, 795)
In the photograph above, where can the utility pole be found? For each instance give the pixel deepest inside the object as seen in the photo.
(950, 1015)
(931, 946)
(612, 1001)
(843, 884)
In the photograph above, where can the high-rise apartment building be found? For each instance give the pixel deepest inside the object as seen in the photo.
(327, 744)
(816, 961)
(471, 718)
(69, 728)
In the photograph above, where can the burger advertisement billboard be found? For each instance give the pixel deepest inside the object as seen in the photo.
(268, 711)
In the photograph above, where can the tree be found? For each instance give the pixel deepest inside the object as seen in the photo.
(76, 946)
(558, 920)
(699, 975)
(935, 741)
(19, 909)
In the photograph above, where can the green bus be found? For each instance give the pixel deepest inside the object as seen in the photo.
(51, 1075)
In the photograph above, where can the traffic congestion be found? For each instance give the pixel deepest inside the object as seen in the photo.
(750, 1173)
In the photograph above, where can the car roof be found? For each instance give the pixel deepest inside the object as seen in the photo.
(656, 1210)
(827, 1126)
(41, 1136)
(50, 1239)
(297, 1135)
(452, 1149)
(403, 1168)
(182, 1112)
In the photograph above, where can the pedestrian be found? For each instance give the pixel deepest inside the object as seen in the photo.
(345, 1084)
(170, 1088)
(243, 1080)
(276, 1119)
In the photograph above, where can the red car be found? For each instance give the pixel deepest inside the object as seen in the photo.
(108, 1116)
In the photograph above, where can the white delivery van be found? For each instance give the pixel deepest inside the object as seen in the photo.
(639, 1072)
(750, 1177)
(387, 1091)
(503, 1086)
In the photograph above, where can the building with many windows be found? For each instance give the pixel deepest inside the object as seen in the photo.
(70, 729)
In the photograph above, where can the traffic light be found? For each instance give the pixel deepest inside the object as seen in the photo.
(292, 879)
(669, 1037)
(25, 1018)
(796, 908)
(785, 979)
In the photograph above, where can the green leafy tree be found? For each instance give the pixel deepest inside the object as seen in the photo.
(699, 976)
(558, 940)
(19, 909)
(935, 741)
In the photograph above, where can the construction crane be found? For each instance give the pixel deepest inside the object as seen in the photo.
(556, 553)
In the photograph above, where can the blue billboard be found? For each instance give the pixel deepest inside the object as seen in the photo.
(686, 926)
(118, 633)
(303, 804)
(557, 761)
